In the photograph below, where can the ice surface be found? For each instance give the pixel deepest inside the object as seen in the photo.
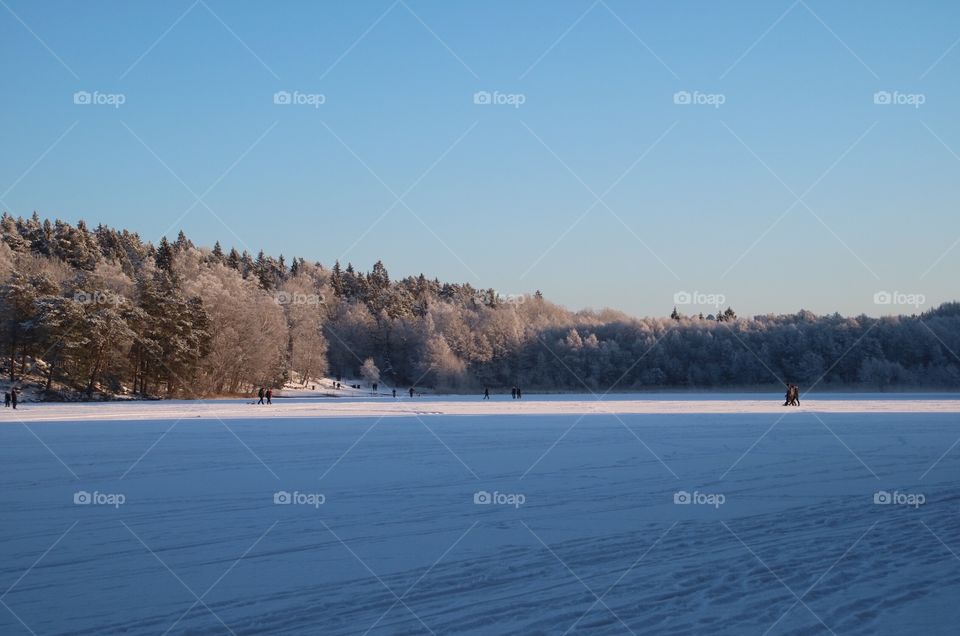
(797, 546)
(403, 406)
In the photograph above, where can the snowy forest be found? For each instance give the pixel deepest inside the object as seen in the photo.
(102, 312)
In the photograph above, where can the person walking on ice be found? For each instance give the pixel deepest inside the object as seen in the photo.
(486, 393)
(792, 397)
(260, 394)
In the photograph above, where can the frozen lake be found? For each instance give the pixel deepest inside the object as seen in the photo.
(781, 534)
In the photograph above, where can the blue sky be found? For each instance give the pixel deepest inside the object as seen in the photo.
(798, 191)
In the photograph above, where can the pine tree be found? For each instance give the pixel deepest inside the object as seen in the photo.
(164, 257)
(262, 268)
(182, 243)
(336, 280)
(11, 234)
(246, 264)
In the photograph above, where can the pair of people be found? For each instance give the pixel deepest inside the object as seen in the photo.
(792, 397)
(9, 398)
(515, 393)
(265, 393)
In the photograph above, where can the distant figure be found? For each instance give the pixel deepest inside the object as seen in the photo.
(260, 394)
(788, 395)
(13, 398)
(513, 392)
(394, 393)
(486, 393)
(6, 399)
(411, 391)
(796, 396)
(518, 393)
(269, 396)
(375, 385)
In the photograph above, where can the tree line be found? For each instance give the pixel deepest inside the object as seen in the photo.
(103, 312)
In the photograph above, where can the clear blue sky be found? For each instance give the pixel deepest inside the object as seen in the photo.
(496, 189)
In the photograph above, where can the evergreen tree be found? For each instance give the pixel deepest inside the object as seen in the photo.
(336, 279)
(164, 257)
(233, 259)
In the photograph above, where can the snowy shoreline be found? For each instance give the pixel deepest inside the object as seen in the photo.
(465, 406)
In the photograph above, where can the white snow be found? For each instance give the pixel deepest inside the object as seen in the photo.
(398, 519)
(355, 405)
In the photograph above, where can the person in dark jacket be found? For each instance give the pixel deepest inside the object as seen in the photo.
(6, 399)
(486, 393)
(519, 395)
(269, 396)
(411, 391)
(513, 392)
(13, 397)
(260, 394)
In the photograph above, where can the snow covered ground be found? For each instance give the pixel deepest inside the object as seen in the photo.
(587, 529)
(296, 405)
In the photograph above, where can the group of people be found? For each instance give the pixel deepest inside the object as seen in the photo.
(792, 396)
(514, 393)
(265, 393)
(10, 398)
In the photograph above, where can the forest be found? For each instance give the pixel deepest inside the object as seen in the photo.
(102, 313)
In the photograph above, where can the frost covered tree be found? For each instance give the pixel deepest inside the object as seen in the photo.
(369, 371)
(102, 311)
